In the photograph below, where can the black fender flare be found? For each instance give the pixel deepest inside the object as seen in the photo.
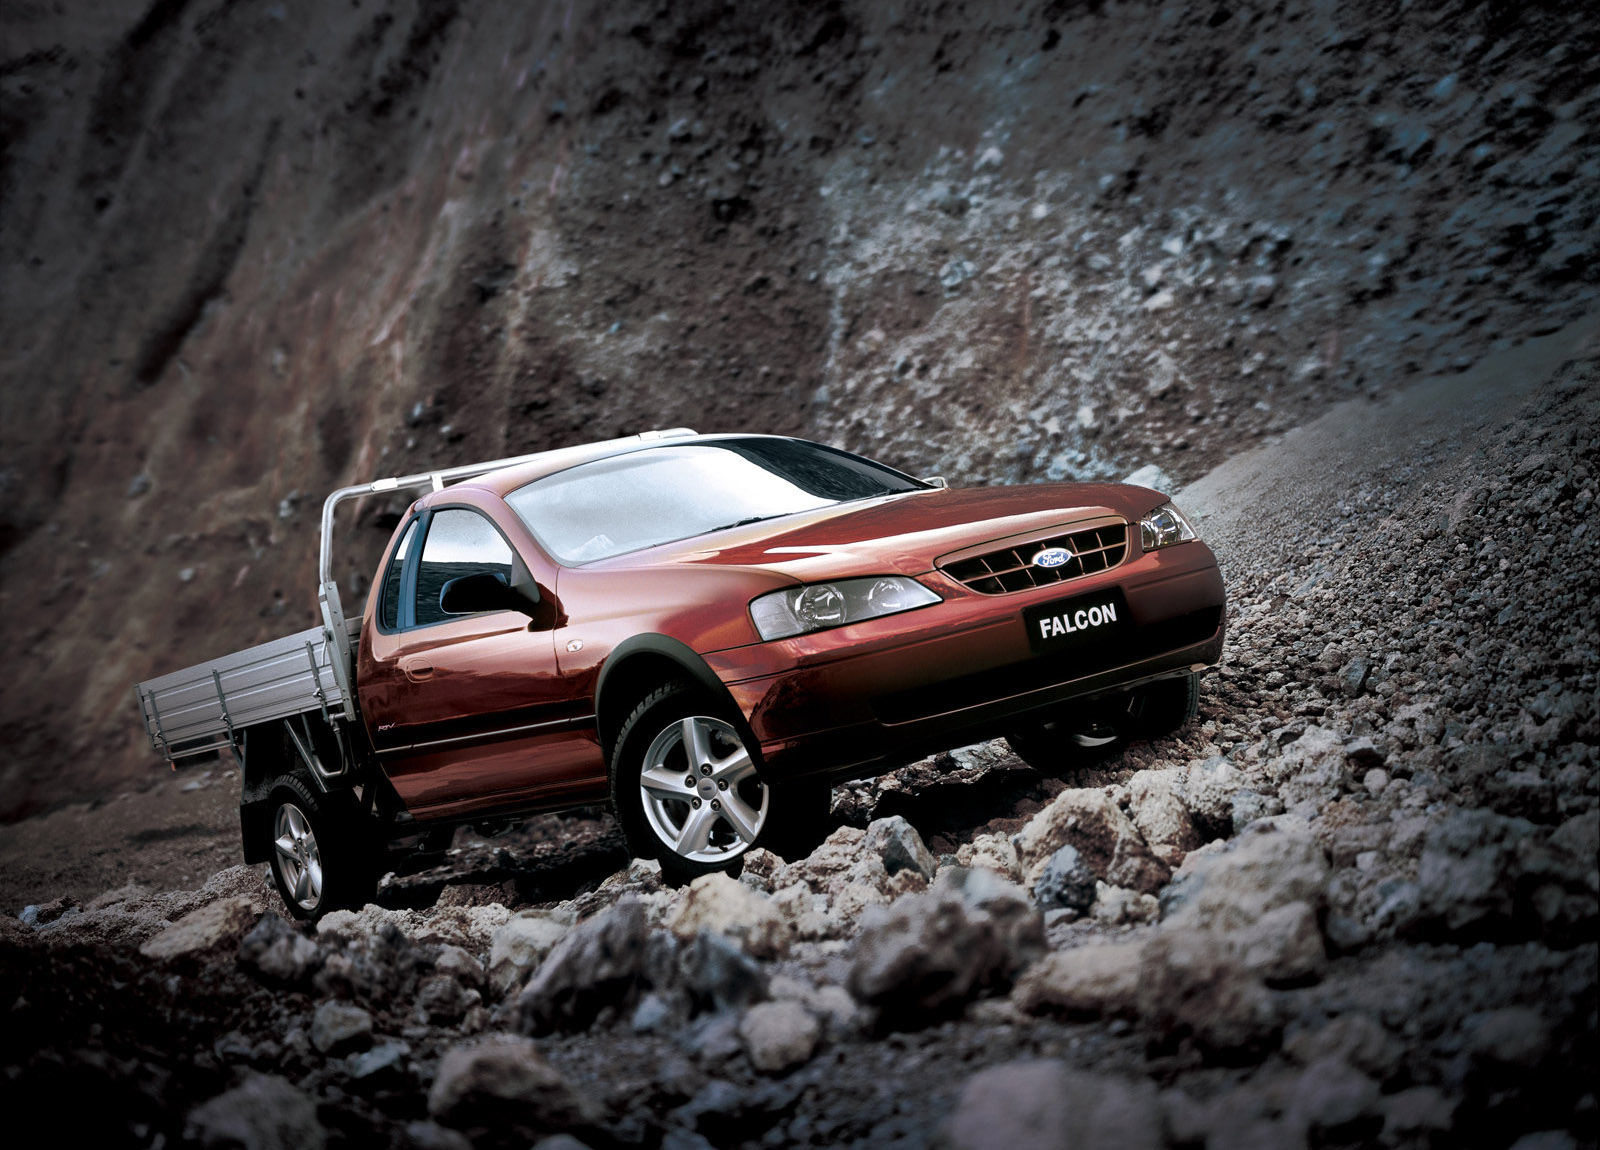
(662, 647)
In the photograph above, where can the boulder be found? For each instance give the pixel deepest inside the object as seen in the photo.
(1119, 906)
(598, 964)
(991, 852)
(1065, 882)
(719, 975)
(779, 1035)
(1191, 986)
(1355, 1039)
(278, 953)
(1043, 1105)
(900, 846)
(827, 868)
(926, 956)
(1283, 947)
(1336, 1103)
(503, 1086)
(442, 1000)
(340, 1027)
(1017, 921)
(1161, 818)
(805, 911)
(1467, 876)
(262, 1113)
(522, 944)
(1253, 806)
(459, 965)
(216, 924)
(1109, 843)
(1274, 864)
(1511, 1036)
(723, 905)
(1209, 791)
(1084, 982)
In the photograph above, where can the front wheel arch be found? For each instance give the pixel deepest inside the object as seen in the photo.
(641, 664)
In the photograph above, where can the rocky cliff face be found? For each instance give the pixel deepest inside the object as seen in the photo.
(249, 253)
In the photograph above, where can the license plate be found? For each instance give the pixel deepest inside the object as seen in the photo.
(1080, 623)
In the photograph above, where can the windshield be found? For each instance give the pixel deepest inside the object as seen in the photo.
(662, 494)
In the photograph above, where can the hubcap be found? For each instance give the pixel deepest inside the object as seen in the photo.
(297, 858)
(700, 791)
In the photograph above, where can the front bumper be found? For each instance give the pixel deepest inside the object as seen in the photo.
(856, 700)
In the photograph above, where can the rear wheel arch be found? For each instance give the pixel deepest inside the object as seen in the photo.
(643, 663)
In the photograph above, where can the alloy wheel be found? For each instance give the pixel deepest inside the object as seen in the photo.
(700, 791)
(296, 855)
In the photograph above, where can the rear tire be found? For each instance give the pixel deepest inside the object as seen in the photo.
(687, 791)
(320, 852)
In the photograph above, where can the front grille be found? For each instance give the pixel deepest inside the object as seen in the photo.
(1012, 569)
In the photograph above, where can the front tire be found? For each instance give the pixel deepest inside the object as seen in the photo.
(318, 851)
(686, 789)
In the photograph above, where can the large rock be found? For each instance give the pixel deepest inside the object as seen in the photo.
(278, 953)
(1336, 1103)
(522, 944)
(779, 1035)
(828, 867)
(600, 963)
(1066, 882)
(1046, 1106)
(216, 924)
(262, 1113)
(1192, 986)
(991, 852)
(1209, 791)
(927, 954)
(1084, 982)
(1276, 863)
(503, 1086)
(340, 1027)
(1109, 843)
(719, 975)
(722, 905)
(900, 846)
(1160, 816)
(1467, 876)
(1016, 919)
(1283, 947)
(442, 1000)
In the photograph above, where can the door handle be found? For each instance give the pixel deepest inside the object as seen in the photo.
(416, 669)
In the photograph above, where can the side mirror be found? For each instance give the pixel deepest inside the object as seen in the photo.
(486, 591)
(938, 481)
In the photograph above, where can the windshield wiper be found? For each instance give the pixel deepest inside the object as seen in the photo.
(742, 522)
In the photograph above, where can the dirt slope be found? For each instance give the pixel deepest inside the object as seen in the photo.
(249, 253)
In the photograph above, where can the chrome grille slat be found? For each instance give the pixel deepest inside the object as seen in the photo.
(1008, 569)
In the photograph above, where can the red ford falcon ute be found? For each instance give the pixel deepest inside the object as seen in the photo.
(709, 631)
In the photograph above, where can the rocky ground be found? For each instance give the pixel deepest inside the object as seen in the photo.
(1355, 903)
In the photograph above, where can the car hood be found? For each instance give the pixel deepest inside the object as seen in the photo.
(899, 534)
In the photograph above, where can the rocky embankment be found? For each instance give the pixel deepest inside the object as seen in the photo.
(1355, 903)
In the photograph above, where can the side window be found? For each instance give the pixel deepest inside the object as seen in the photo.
(459, 543)
(389, 604)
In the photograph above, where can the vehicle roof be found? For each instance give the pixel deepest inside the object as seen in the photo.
(508, 479)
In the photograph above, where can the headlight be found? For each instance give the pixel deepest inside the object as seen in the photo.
(822, 605)
(1163, 527)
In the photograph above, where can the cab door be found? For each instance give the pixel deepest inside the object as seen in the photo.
(469, 711)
